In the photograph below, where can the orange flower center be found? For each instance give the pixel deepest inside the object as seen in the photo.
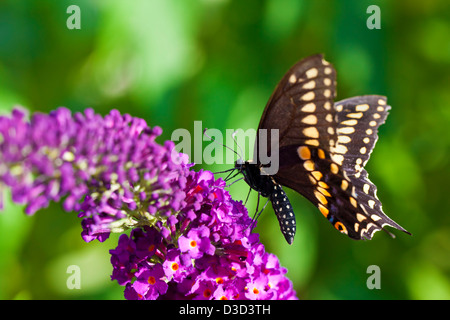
(219, 280)
(207, 293)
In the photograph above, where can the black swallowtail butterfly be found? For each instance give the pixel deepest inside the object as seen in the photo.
(323, 147)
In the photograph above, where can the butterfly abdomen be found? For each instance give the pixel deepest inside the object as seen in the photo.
(284, 212)
(266, 186)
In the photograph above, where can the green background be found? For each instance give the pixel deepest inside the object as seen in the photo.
(217, 61)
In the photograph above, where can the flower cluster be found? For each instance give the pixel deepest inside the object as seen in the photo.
(110, 169)
(206, 252)
(189, 239)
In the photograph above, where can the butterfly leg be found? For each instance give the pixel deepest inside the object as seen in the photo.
(234, 182)
(257, 213)
(248, 195)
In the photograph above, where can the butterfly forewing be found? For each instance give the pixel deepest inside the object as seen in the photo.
(301, 106)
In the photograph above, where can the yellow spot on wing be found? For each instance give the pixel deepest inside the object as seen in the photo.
(338, 158)
(311, 132)
(353, 202)
(324, 210)
(362, 107)
(320, 197)
(292, 78)
(360, 217)
(304, 153)
(323, 185)
(329, 117)
(310, 119)
(312, 142)
(344, 139)
(340, 148)
(366, 188)
(311, 73)
(351, 122)
(309, 107)
(323, 191)
(330, 130)
(334, 168)
(346, 130)
(309, 85)
(308, 96)
(321, 154)
(309, 165)
(317, 175)
(357, 115)
(374, 217)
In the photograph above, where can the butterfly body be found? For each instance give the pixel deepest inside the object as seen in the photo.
(267, 187)
(323, 147)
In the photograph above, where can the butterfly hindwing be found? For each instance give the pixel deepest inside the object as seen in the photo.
(358, 119)
(324, 183)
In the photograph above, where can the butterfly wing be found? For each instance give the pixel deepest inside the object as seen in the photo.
(358, 119)
(301, 105)
(314, 158)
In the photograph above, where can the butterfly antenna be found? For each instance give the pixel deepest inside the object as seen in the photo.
(204, 133)
(233, 136)
(232, 169)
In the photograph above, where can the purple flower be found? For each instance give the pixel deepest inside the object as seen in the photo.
(149, 282)
(189, 238)
(196, 243)
(174, 269)
(109, 169)
(208, 252)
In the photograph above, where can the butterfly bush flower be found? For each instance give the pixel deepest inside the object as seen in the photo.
(207, 252)
(188, 239)
(109, 169)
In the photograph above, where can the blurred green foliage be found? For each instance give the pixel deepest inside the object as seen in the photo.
(173, 62)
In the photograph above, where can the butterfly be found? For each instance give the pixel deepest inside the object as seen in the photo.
(323, 147)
